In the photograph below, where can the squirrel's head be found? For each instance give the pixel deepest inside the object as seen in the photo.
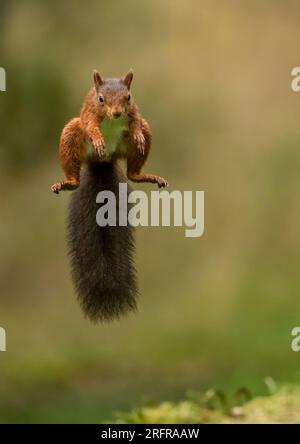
(113, 94)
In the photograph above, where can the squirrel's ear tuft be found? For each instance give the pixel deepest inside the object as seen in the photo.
(128, 78)
(97, 79)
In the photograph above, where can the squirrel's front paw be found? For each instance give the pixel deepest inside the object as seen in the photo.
(139, 141)
(99, 146)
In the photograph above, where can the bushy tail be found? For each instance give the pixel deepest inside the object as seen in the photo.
(101, 257)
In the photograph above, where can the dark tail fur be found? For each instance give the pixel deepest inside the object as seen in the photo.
(101, 257)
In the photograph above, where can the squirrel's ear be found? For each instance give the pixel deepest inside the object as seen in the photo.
(128, 78)
(97, 79)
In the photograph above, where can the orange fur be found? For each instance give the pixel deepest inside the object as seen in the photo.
(108, 98)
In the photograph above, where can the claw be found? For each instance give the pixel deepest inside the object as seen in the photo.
(139, 140)
(55, 189)
(162, 183)
(99, 146)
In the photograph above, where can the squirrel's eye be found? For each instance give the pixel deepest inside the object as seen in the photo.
(129, 97)
(101, 99)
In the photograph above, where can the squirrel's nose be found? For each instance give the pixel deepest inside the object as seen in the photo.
(117, 114)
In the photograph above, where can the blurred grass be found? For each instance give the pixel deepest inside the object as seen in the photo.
(213, 79)
(281, 407)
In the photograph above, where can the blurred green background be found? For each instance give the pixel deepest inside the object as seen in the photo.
(213, 79)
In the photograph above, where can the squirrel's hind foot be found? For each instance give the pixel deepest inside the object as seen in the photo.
(56, 187)
(146, 177)
(64, 185)
(161, 182)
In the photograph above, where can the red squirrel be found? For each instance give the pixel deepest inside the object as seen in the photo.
(109, 110)
(109, 128)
